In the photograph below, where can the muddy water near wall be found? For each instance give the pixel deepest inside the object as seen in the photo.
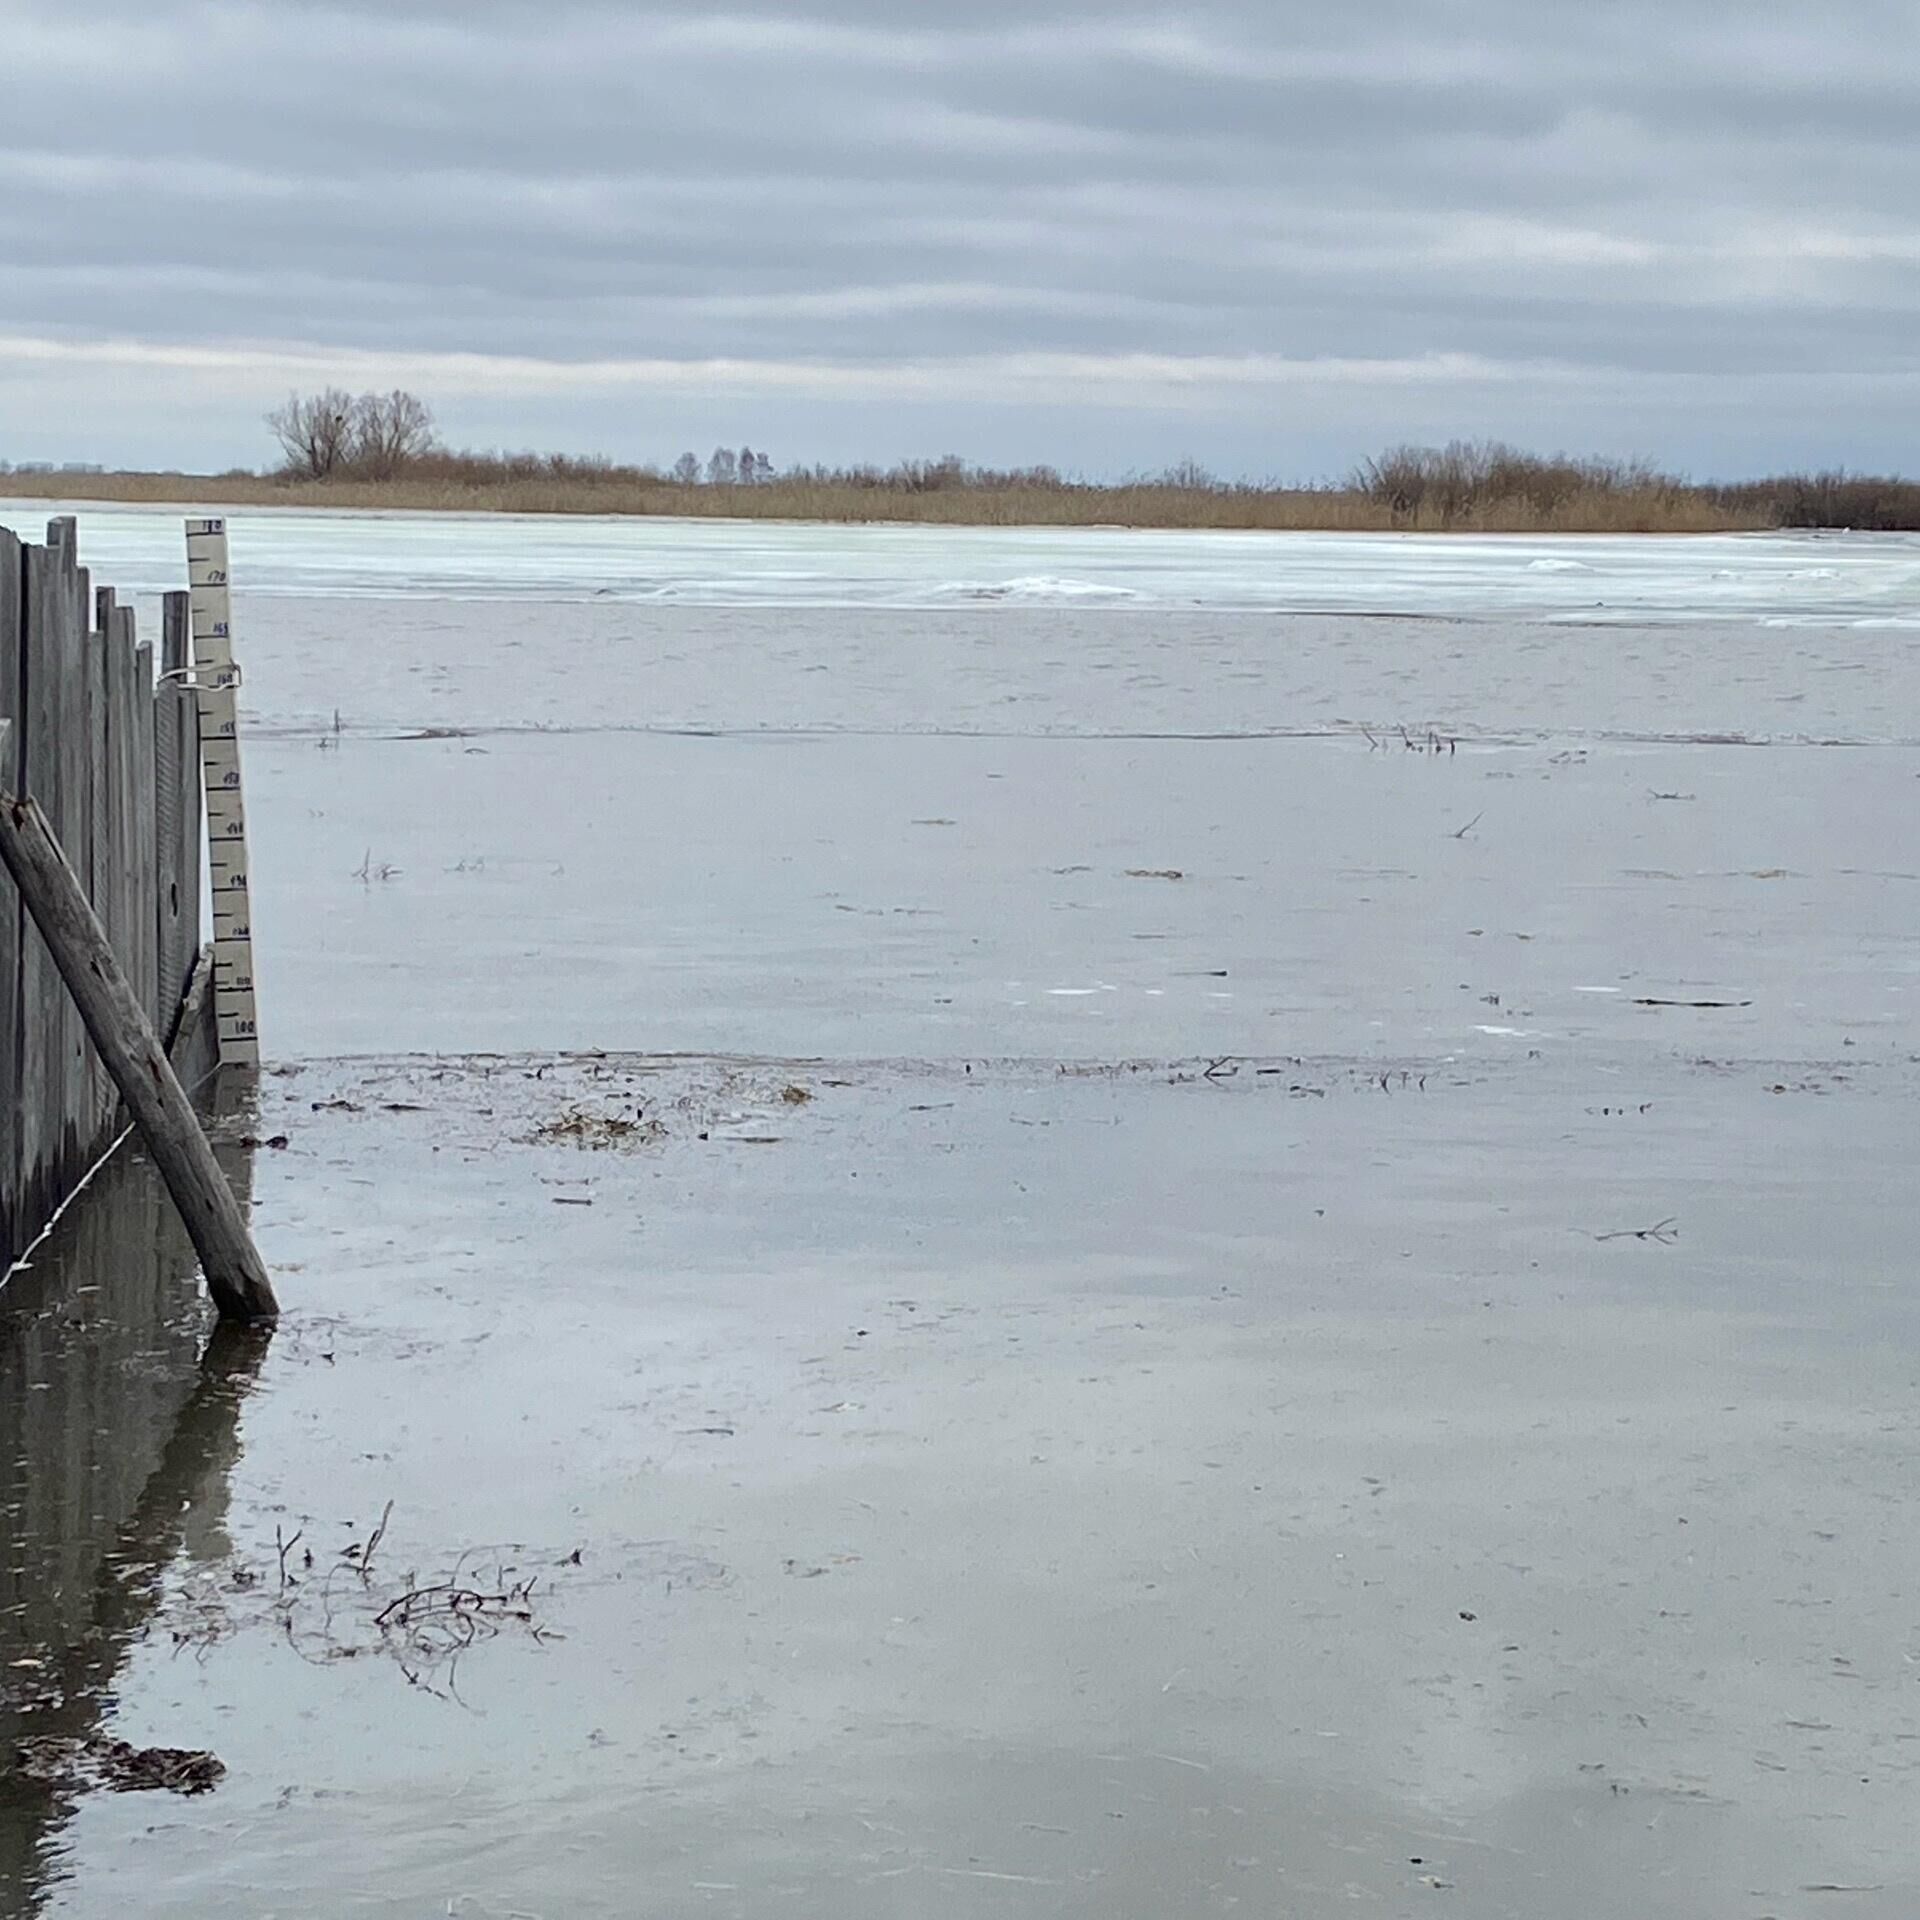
(119, 1425)
(1119, 1493)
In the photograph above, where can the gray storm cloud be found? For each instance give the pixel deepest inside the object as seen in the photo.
(1274, 235)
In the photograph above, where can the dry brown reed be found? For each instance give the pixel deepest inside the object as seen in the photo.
(1466, 487)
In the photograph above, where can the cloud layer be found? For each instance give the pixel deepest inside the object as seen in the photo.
(1271, 235)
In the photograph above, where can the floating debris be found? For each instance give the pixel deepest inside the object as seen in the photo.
(596, 1132)
(97, 1761)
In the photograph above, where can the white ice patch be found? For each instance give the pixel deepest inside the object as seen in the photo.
(1837, 579)
(1034, 587)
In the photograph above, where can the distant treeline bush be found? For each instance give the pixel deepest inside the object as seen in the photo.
(1467, 479)
(1868, 503)
(381, 450)
(1468, 483)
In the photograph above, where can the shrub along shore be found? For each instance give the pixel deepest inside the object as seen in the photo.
(1463, 488)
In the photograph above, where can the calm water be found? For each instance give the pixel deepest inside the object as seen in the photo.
(1333, 1326)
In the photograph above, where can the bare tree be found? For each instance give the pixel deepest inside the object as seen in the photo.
(748, 471)
(1189, 476)
(762, 468)
(315, 432)
(723, 469)
(390, 431)
(686, 470)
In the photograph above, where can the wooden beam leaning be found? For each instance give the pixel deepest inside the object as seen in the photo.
(124, 1038)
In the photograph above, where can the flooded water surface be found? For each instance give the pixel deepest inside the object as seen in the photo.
(1239, 1251)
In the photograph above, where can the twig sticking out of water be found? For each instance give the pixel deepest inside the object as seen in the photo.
(1462, 833)
(1663, 1233)
(374, 1539)
(360, 1556)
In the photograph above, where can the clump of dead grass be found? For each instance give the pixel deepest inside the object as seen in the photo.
(599, 1132)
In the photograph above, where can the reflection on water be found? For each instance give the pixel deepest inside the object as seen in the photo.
(119, 1422)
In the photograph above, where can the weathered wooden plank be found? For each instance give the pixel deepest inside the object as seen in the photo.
(176, 632)
(96, 873)
(12, 670)
(126, 694)
(177, 826)
(80, 1129)
(46, 1012)
(195, 1053)
(141, 863)
(168, 923)
(193, 842)
(177, 812)
(106, 790)
(159, 1105)
(99, 863)
(119, 670)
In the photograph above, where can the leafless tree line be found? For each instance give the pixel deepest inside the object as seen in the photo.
(724, 468)
(1466, 483)
(370, 436)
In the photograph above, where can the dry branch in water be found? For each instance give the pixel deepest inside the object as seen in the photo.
(423, 1626)
(447, 1618)
(1663, 1233)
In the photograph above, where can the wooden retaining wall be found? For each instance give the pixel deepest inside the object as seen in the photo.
(114, 759)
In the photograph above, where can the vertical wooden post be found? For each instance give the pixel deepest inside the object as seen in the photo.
(140, 954)
(96, 862)
(55, 1085)
(13, 648)
(127, 1044)
(177, 832)
(176, 634)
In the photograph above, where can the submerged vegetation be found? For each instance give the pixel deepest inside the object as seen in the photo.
(381, 450)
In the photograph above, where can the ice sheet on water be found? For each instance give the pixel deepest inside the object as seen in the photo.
(1796, 579)
(1035, 587)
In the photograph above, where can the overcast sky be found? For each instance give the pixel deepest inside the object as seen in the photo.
(1269, 236)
